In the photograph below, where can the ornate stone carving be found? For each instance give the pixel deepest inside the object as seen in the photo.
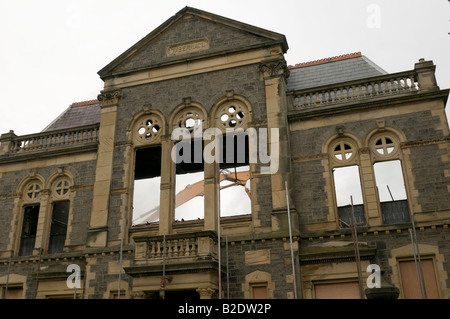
(205, 293)
(109, 98)
(274, 69)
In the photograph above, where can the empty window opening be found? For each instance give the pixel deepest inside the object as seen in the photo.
(235, 195)
(189, 181)
(29, 228)
(391, 191)
(147, 185)
(347, 184)
(58, 227)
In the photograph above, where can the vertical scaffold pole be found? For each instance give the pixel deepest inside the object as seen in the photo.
(218, 241)
(290, 239)
(121, 245)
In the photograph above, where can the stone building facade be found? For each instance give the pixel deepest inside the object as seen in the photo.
(337, 128)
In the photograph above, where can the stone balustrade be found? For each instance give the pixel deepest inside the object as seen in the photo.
(354, 91)
(12, 144)
(197, 245)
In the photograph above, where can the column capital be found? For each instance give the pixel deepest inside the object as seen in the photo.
(205, 293)
(109, 98)
(274, 68)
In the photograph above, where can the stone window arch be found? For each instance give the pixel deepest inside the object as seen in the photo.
(147, 128)
(343, 152)
(231, 112)
(346, 180)
(61, 188)
(59, 212)
(189, 115)
(27, 212)
(387, 162)
(233, 115)
(33, 192)
(384, 145)
(149, 145)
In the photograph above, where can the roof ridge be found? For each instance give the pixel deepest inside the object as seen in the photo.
(327, 60)
(85, 103)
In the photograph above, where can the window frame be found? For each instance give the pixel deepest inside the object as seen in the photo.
(336, 163)
(394, 155)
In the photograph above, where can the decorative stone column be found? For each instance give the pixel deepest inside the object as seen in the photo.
(275, 72)
(98, 229)
(167, 196)
(43, 226)
(206, 293)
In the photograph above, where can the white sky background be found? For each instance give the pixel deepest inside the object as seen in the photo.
(51, 50)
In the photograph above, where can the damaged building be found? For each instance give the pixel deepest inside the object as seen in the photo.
(289, 181)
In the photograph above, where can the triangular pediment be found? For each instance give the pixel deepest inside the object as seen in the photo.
(189, 35)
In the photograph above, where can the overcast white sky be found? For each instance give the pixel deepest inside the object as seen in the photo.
(51, 50)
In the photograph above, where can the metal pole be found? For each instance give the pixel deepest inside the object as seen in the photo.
(37, 273)
(7, 277)
(290, 239)
(121, 246)
(228, 275)
(389, 190)
(423, 291)
(356, 245)
(218, 241)
(415, 262)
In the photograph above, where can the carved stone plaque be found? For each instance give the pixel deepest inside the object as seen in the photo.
(189, 47)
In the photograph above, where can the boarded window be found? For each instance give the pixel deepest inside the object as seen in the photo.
(344, 290)
(29, 228)
(392, 192)
(410, 282)
(347, 186)
(115, 295)
(147, 185)
(58, 228)
(14, 292)
(259, 292)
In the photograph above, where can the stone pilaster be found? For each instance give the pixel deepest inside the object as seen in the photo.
(275, 72)
(97, 233)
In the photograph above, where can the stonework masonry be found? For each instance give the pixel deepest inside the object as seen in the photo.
(200, 67)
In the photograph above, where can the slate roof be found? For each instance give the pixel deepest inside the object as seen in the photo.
(327, 71)
(77, 114)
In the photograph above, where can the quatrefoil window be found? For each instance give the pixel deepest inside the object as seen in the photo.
(148, 129)
(232, 115)
(190, 119)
